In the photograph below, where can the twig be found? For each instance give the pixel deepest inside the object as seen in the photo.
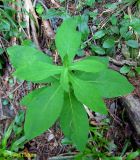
(116, 119)
(34, 3)
(48, 30)
(1, 110)
(34, 34)
(13, 41)
(26, 17)
(62, 158)
(55, 3)
(89, 112)
(19, 15)
(14, 90)
(123, 62)
(30, 9)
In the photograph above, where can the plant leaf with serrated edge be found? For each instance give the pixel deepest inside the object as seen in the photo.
(31, 64)
(26, 100)
(109, 83)
(67, 39)
(88, 94)
(24, 55)
(74, 121)
(43, 109)
(37, 72)
(88, 65)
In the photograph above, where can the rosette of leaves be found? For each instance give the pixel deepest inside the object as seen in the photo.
(69, 86)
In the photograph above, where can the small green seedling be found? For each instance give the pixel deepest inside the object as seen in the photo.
(13, 139)
(69, 86)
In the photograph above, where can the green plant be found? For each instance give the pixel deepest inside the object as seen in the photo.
(9, 27)
(13, 139)
(68, 86)
(137, 70)
(100, 147)
(39, 9)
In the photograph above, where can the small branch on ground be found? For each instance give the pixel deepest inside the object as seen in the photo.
(123, 62)
(48, 29)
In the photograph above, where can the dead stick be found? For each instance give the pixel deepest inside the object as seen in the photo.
(48, 30)
(123, 62)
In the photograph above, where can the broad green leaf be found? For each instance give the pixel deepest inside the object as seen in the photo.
(88, 65)
(135, 24)
(37, 72)
(24, 55)
(52, 79)
(133, 155)
(80, 53)
(31, 63)
(93, 15)
(137, 29)
(104, 60)
(43, 109)
(29, 98)
(115, 29)
(74, 121)
(109, 83)
(113, 20)
(64, 79)
(123, 31)
(138, 70)
(132, 43)
(131, 74)
(111, 6)
(28, 43)
(98, 50)
(88, 94)
(125, 69)
(99, 34)
(109, 43)
(67, 39)
(114, 158)
(39, 8)
(4, 25)
(128, 35)
(90, 2)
